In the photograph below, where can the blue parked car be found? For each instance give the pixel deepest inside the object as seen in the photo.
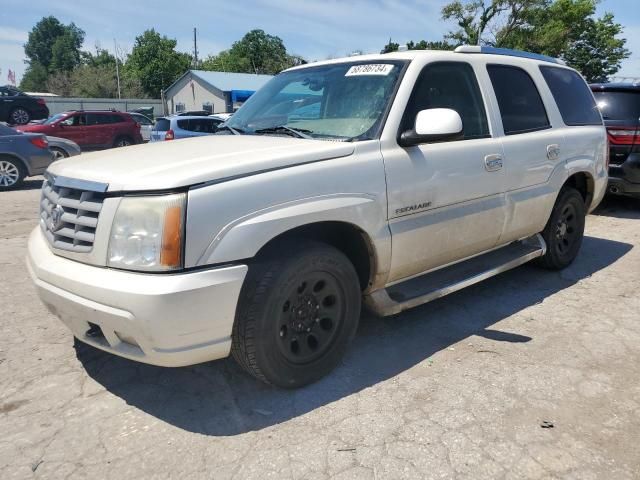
(176, 127)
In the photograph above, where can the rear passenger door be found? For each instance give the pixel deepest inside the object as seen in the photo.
(445, 199)
(532, 148)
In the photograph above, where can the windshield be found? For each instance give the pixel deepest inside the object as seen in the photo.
(345, 101)
(55, 118)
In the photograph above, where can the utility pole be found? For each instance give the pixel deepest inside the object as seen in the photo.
(195, 48)
(115, 46)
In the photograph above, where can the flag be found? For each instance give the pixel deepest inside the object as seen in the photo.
(11, 77)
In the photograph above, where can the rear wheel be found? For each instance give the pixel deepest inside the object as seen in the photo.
(297, 313)
(19, 116)
(58, 153)
(564, 231)
(122, 142)
(12, 173)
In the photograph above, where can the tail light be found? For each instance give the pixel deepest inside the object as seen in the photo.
(623, 135)
(40, 142)
(40, 101)
(169, 135)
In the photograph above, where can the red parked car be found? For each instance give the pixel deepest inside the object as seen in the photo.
(91, 129)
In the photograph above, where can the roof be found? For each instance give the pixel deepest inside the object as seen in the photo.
(227, 81)
(443, 54)
(615, 87)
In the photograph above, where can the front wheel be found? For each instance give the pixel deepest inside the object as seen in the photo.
(298, 311)
(19, 116)
(564, 231)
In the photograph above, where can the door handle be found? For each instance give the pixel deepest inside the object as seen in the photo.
(493, 162)
(553, 151)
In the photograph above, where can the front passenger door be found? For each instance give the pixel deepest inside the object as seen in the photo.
(445, 200)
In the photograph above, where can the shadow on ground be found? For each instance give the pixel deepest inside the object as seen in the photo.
(619, 207)
(31, 184)
(219, 399)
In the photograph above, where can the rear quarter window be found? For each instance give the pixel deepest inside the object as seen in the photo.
(521, 107)
(572, 95)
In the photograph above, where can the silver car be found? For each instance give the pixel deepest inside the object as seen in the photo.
(63, 148)
(176, 127)
(146, 125)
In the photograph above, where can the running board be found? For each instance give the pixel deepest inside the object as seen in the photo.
(430, 286)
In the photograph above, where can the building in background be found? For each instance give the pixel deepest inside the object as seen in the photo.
(215, 92)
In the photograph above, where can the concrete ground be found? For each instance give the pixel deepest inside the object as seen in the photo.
(460, 388)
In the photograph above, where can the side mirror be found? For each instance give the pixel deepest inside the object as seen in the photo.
(433, 125)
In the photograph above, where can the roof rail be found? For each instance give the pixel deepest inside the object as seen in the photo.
(507, 52)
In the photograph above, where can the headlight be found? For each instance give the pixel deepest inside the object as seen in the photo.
(147, 233)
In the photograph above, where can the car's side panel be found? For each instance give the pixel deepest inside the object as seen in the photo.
(232, 220)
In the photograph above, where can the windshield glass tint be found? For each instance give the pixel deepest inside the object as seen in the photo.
(618, 105)
(162, 125)
(339, 101)
(54, 119)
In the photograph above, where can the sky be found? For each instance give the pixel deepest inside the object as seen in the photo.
(314, 29)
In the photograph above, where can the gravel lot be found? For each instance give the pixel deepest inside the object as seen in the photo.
(459, 388)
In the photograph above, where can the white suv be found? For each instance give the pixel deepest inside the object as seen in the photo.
(390, 179)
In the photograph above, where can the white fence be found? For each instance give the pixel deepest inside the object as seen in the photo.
(62, 104)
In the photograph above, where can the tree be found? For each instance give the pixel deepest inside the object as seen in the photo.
(155, 62)
(421, 45)
(256, 52)
(597, 53)
(34, 78)
(558, 28)
(51, 47)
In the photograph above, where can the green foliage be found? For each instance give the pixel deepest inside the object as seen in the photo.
(53, 45)
(256, 52)
(559, 28)
(34, 78)
(597, 52)
(155, 62)
(421, 45)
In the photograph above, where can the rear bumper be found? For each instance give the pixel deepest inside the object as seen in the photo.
(620, 186)
(168, 319)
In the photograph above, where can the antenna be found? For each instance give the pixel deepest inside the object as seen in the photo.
(195, 48)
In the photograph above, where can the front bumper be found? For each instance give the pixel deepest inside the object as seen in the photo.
(169, 320)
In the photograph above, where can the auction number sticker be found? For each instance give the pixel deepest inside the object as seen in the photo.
(370, 69)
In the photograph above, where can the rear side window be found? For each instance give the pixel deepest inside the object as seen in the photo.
(521, 107)
(200, 125)
(619, 105)
(572, 95)
(162, 125)
(449, 85)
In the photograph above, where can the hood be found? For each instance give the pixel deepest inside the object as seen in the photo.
(178, 163)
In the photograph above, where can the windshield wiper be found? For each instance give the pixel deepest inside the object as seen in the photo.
(297, 132)
(235, 131)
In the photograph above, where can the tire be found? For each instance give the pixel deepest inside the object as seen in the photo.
(298, 311)
(19, 116)
(12, 173)
(58, 153)
(564, 231)
(122, 142)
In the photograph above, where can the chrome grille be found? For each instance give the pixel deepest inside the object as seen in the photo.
(69, 216)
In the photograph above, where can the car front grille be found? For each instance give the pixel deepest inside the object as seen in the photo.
(69, 216)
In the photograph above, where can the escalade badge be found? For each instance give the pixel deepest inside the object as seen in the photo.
(56, 218)
(412, 208)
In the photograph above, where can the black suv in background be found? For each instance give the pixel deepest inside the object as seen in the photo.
(18, 108)
(620, 107)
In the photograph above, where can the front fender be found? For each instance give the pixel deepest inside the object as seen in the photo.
(244, 237)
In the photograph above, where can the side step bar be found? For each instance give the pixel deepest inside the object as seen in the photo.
(430, 286)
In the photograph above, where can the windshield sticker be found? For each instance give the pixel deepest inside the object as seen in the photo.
(370, 69)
